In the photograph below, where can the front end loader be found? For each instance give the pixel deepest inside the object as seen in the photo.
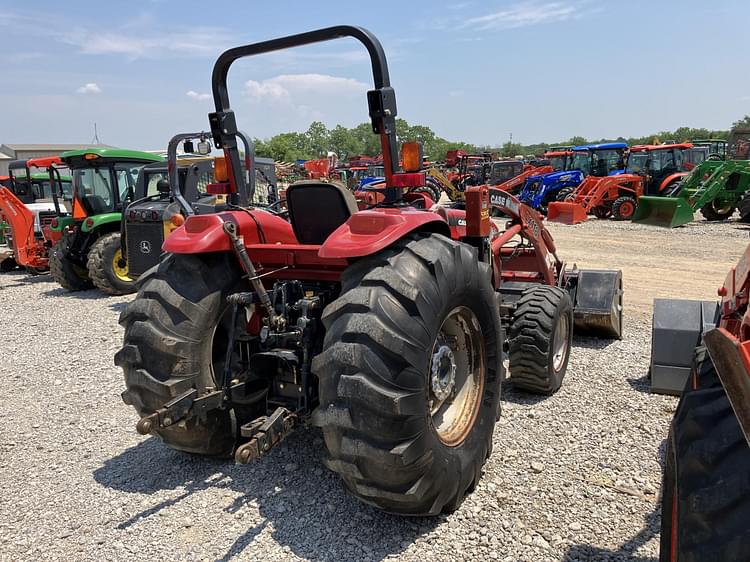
(384, 327)
(706, 488)
(29, 207)
(715, 187)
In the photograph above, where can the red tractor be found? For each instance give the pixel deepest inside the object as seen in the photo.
(384, 327)
(706, 491)
(29, 211)
(650, 170)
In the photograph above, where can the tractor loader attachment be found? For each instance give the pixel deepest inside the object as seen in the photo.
(669, 212)
(731, 357)
(597, 301)
(566, 212)
(677, 327)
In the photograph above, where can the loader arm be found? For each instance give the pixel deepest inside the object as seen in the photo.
(515, 183)
(28, 252)
(453, 192)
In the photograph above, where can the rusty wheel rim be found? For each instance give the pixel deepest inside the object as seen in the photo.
(456, 376)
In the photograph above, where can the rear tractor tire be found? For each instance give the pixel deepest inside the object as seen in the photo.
(175, 339)
(67, 274)
(713, 211)
(541, 335)
(624, 207)
(744, 208)
(704, 506)
(8, 265)
(410, 375)
(108, 268)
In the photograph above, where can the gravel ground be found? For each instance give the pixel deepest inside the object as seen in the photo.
(574, 476)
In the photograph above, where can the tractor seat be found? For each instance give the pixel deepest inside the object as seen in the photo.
(318, 208)
(94, 205)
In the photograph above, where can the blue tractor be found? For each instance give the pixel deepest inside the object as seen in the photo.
(604, 159)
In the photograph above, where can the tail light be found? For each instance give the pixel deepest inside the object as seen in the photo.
(89, 223)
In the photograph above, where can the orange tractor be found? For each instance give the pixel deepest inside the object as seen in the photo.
(27, 212)
(650, 170)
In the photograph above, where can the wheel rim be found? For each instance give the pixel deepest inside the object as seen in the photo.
(456, 376)
(721, 209)
(627, 209)
(560, 343)
(120, 271)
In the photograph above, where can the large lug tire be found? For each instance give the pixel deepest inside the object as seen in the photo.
(8, 265)
(410, 375)
(705, 503)
(744, 208)
(714, 212)
(108, 268)
(541, 336)
(602, 212)
(624, 207)
(430, 191)
(67, 274)
(174, 331)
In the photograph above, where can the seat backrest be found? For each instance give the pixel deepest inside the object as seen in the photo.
(318, 208)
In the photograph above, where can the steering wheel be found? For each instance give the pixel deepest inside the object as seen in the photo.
(275, 208)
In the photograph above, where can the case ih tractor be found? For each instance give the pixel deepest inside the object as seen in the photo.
(706, 489)
(89, 253)
(653, 170)
(29, 206)
(384, 327)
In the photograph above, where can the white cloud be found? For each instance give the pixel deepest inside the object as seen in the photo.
(523, 15)
(289, 86)
(196, 96)
(89, 88)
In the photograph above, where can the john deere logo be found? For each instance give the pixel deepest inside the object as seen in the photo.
(145, 247)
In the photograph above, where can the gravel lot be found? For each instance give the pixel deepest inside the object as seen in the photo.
(573, 477)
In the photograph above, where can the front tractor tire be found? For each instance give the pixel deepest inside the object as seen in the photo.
(108, 268)
(68, 275)
(410, 375)
(715, 211)
(174, 331)
(541, 335)
(624, 207)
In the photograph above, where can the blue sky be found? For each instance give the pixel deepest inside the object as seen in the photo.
(474, 71)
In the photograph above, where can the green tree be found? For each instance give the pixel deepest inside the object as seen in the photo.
(742, 123)
(511, 149)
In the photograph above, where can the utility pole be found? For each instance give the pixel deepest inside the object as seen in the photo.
(95, 140)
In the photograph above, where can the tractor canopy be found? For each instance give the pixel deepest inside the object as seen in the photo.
(601, 159)
(716, 147)
(104, 178)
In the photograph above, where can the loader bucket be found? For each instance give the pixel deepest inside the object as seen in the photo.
(597, 303)
(669, 212)
(566, 213)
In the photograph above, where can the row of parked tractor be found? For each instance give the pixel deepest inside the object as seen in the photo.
(379, 312)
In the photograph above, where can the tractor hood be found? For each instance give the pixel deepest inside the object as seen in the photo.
(563, 176)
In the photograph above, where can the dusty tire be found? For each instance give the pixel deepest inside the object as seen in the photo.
(541, 335)
(430, 191)
(376, 384)
(105, 265)
(602, 212)
(169, 345)
(713, 213)
(8, 265)
(705, 506)
(67, 274)
(744, 208)
(624, 207)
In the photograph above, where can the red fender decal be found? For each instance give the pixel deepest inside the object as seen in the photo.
(205, 233)
(368, 232)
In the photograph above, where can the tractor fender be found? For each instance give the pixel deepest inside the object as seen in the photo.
(97, 221)
(62, 223)
(205, 233)
(368, 232)
(669, 179)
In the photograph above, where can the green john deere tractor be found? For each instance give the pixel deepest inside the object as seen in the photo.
(715, 187)
(89, 253)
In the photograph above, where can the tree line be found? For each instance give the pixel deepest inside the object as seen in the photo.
(318, 140)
